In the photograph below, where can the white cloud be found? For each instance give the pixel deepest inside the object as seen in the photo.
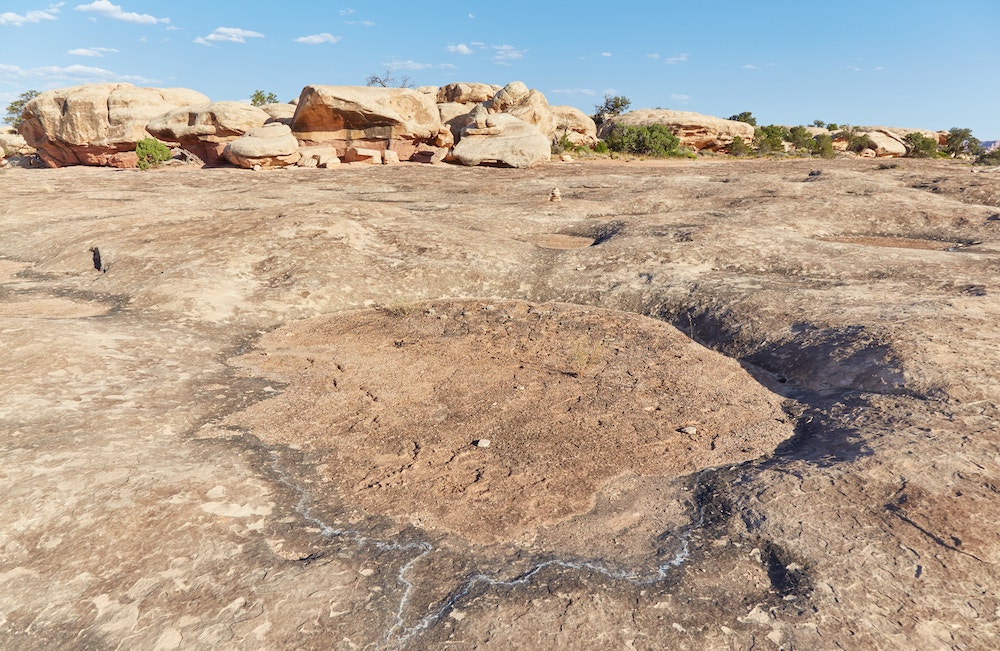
(750, 66)
(91, 51)
(854, 68)
(173, 28)
(653, 56)
(587, 92)
(472, 16)
(37, 16)
(680, 98)
(346, 12)
(317, 39)
(505, 53)
(461, 48)
(74, 73)
(115, 12)
(227, 35)
(363, 23)
(409, 64)
(683, 56)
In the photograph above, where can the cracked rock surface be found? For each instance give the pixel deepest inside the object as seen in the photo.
(758, 410)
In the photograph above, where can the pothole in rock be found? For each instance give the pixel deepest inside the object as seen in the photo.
(901, 242)
(393, 401)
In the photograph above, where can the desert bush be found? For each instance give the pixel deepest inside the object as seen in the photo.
(819, 124)
(770, 139)
(961, 142)
(800, 138)
(653, 140)
(988, 158)
(822, 146)
(260, 98)
(920, 146)
(833, 126)
(738, 147)
(601, 148)
(15, 108)
(745, 116)
(151, 152)
(613, 105)
(856, 141)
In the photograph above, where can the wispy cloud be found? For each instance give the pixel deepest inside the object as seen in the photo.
(586, 92)
(91, 51)
(115, 12)
(750, 66)
(363, 23)
(679, 58)
(74, 73)
(37, 16)
(346, 12)
(227, 35)
(654, 55)
(683, 99)
(409, 64)
(461, 48)
(605, 54)
(317, 39)
(504, 54)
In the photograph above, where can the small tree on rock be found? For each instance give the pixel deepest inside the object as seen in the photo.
(961, 141)
(612, 106)
(745, 116)
(15, 108)
(920, 146)
(388, 80)
(260, 98)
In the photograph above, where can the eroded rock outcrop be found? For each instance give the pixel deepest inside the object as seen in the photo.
(500, 138)
(526, 104)
(693, 129)
(279, 112)
(577, 126)
(206, 129)
(466, 92)
(97, 124)
(400, 119)
(271, 145)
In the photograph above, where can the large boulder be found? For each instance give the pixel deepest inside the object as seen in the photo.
(206, 129)
(500, 138)
(279, 112)
(400, 119)
(97, 124)
(525, 104)
(462, 92)
(577, 126)
(693, 129)
(13, 144)
(271, 145)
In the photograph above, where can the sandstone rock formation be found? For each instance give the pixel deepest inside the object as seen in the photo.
(13, 144)
(279, 112)
(693, 129)
(466, 93)
(525, 104)
(97, 124)
(271, 145)
(500, 138)
(400, 119)
(576, 125)
(206, 129)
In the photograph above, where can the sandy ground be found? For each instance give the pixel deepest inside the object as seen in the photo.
(729, 405)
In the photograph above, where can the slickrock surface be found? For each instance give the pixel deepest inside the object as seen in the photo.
(254, 426)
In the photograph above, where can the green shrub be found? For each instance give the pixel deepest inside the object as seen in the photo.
(260, 98)
(745, 116)
(961, 141)
(800, 138)
(601, 148)
(770, 139)
(738, 147)
(857, 142)
(920, 146)
(151, 152)
(833, 126)
(988, 158)
(822, 146)
(653, 140)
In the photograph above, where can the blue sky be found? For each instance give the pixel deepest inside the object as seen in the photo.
(916, 64)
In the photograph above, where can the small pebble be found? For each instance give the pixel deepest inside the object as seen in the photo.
(690, 431)
(482, 443)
